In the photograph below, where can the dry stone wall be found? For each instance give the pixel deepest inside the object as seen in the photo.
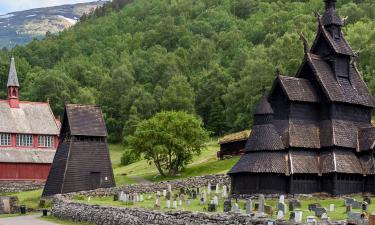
(19, 186)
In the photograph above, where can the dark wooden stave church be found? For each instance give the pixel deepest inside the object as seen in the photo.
(313, 132)
(82, 160)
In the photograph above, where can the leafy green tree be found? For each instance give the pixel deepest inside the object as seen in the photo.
(179, 96)
(169, 140)
(55, 86)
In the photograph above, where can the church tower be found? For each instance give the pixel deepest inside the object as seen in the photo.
(13, 86)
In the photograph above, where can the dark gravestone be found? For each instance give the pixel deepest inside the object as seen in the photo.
(367, 199)
(365, 207)
(182, 191)
(193, 194)
(281, 207)
(227, 205)
(115, 197)
(292, 216)
(168, 196)
(319, 211)
(294, 204)
(312, 207)
(212, 208)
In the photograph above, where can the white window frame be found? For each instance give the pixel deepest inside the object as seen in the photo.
(46, 141)
(5, 139)
(24, 140)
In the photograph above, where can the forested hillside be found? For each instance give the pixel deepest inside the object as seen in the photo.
(214, 58)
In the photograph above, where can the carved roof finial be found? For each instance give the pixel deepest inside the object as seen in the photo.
(306, 47)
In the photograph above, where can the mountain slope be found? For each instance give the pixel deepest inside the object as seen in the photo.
(21, 27)
(130, 61)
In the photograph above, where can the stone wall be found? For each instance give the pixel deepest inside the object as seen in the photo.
(103, 215)
(200, 181)
(19, 186)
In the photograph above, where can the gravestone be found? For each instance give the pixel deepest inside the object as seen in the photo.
(319, 211)
(299, 214)
(168, 204)
(261, 204)
(169, 188)
(292, 216)
(281, 207)
(164, 193)
(349, 208)
(280, 215)
(365, 207)
(182, 191)
(179, 201)
(294, 204)
(193, 194)
(227, 205)
(311, 220)
(209, 188)
(249, 206)
(225, 192)
(157, 202)
(188, 202)
(175, 204)
(212, 207)
(331, 207)
(168, 196)
(202, 201)
(235, 207)
(367, 199)
(313, 206)
(217, 189)
(216, 200)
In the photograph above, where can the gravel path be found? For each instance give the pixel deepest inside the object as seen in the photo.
(24, 220)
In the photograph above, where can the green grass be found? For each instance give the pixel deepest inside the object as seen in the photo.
(205, 163)
(62, 222)
(116, 151)
(338, 214)
(29, 198)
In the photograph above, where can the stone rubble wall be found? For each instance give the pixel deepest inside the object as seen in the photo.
(193, 182)
(20, 186)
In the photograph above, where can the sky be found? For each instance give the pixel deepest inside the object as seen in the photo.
(7, 6)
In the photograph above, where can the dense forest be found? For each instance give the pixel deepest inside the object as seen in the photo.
(212, 58)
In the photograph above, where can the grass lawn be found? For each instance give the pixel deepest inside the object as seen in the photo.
(62, 222)
(206, 163)
(29, 198)
(338, 214)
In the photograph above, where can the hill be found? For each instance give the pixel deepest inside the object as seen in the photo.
(212, 58)
(206, 163)
(19, 28)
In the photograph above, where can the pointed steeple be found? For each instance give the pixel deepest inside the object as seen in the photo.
(13, 85)
(330, 16)
(12, 77)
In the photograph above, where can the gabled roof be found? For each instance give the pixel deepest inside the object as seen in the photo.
(17, 155)
(353, 91)
(85, 120)
(29, 118)
(12, 77)
(338, 45)
(298, 89)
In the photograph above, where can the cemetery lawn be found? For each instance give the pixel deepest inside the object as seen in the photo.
(205, 163)
(30, 199)
(338, 214)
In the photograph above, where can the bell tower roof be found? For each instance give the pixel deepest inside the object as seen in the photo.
(330, 16)
(12, 77)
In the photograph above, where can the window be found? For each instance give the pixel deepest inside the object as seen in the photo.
(5, 140)
(45, 141)
(24, 140)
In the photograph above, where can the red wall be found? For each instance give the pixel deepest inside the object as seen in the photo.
(24, 171)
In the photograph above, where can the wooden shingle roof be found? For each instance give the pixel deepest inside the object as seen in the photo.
(353, 92)
(29, 118)
(263, 106)
(86, 120)
(298, 89)
(366, 139)
(264, 137)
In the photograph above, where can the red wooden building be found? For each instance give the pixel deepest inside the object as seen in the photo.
(28, 135)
